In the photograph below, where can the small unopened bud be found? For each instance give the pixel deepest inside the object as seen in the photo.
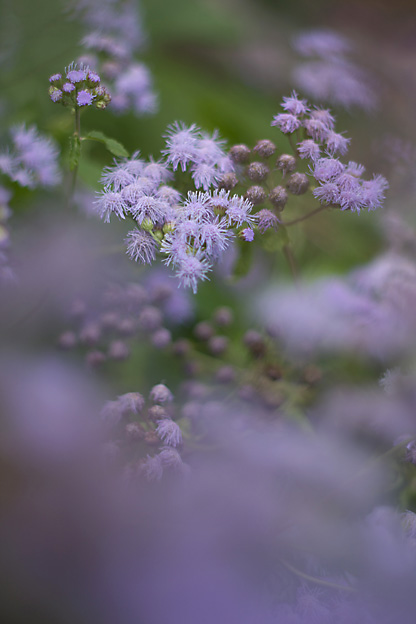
(256, 195)
(297, 184)
(134, 432)
(109, 320)
(240, 153)
(161, 394)
(181, 347)
(118, 350)
(218, 344)
(147, 224)
(151, 438)
(161, 338)
(265, 148)
(67, 340)
(90, 334)
(203, 331)
(254, 342)
(158, 234)
(223, 316)
(95, 358)
(127, 326)
(257, 171)
(225, 374)
(228, 181)
(273, 372)
(169, 226)
(150, 318)
(156, 412)
(286, 163)
(278, 197)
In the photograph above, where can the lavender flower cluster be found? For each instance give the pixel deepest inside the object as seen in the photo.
(126, 311)
(79, 87)
(191, 233)
(332, 77)
(339, 184)
(32, 161)
(134, 429)
(114, 36)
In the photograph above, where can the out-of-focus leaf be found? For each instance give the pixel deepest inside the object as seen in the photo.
(113, 146)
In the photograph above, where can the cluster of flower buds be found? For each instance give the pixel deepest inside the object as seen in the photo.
(125, 313)
(79, 87)
(137, 430)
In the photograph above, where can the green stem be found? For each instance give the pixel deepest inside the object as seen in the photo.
(304, 217)
(290, 258)
(74, 172)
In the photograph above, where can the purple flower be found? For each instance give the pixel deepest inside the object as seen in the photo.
(327, 169)
(181, 145)
(133, 88)
(141, 246)
(161, 394)
(205, 175)
(247, 234)
(93, 77)
(55, 94)
(76, 75)
(294, 105)
(323, 43)
(197, 207)
(373, 191)
(308, 149)
(55, 77)
(157, 172)
(327, 193)
(286, 122)
(316, 129)
(336, 143)
(214, 236)
(110, 203)
(149, 207)
(84, 98)
(68, 87)
(355, 169)
(169, 432)
(175, 248)
(117, 177)
(152, 468)
(266, 219)
(169, 195)
(192, 269)
(324, 116)
(239, 211)
(210, 149)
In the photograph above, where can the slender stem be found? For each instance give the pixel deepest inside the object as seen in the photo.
(291, 261)
(74, 172)
(304, 217)
(292, 145)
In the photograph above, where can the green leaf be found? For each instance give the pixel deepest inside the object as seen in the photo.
(74, 151)
(244, 260)
(113, 146)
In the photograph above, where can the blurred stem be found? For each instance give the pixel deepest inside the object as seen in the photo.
(290, 258)
(292, 145)
(74, 172)
(304, 217)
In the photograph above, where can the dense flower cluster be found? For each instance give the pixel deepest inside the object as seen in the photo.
(113, 38)
(192, 232)
(332, 77)
(126, 311)
(135, 429)
(78, 87)
(339, 184)
(32, 160)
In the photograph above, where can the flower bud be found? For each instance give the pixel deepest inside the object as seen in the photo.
(286, 163)
(203, 331)
(156, 412)
(118, 350)
(265, 148)
(225, 374)
(278, 197)
(95, 358)
(228, 181)
(257, 171)
(256, 195)
(169, 226)
(240, 153)
(161, 394)
(67, 340)
(147, 224)
(254, 342)
(297, 184)
(218, 344)
(223, 316)
(134, 432)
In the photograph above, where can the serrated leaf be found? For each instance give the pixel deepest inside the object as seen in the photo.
(113, 146)
(244, 259)
(74, 151)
